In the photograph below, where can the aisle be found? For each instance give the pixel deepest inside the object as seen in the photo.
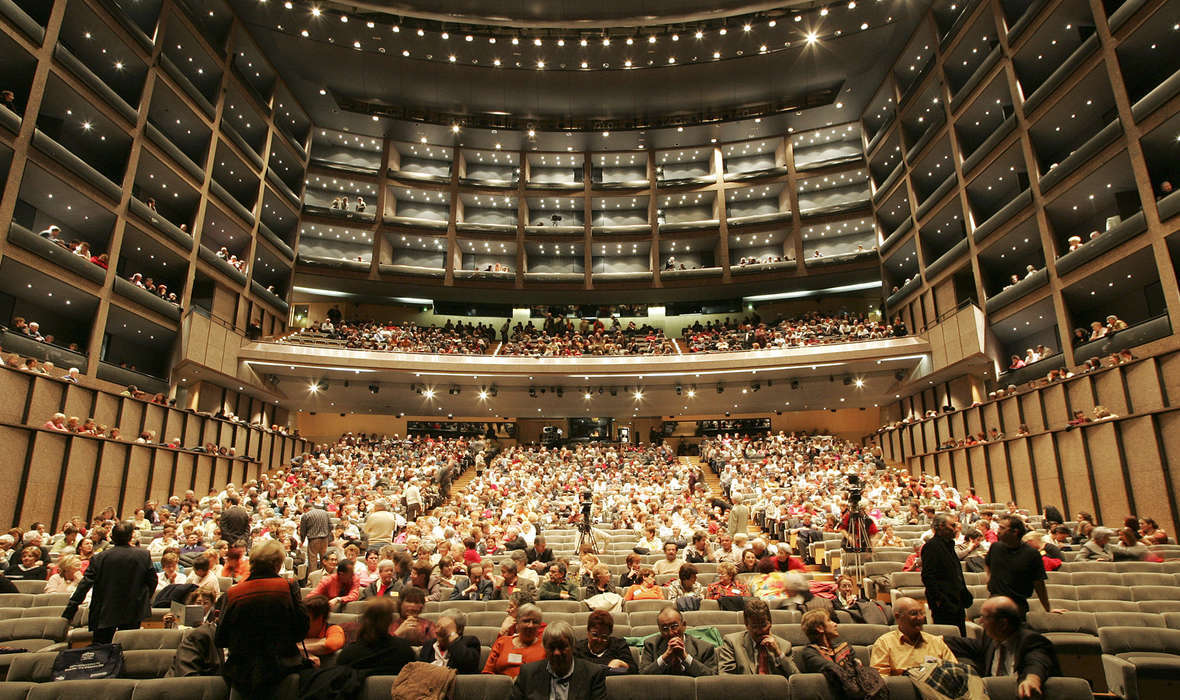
(714, 483)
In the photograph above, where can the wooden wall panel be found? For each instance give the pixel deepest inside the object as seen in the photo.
(154, 417)
(1108, 387)
(204, 475)
(962, 474)
(1075, 471)
(162, 462)
(1169, 432)
(989, 416)
(974, 420)
(220, 471)
(1044, 464)
(81, 472)
(130, 417)
(983, 482)
(12, 465)
(1015, 459)
(78, 401)
(184, 473)
(106, 410)
(1001, 481)
(16, 385)
(1056, 408)
(1030, 406)
(110, 476)
(40, 490)
(45, 401)
(174, 426)
(929, 437)
(1010, 415)
(1081, 396)
(1146, 469)
(266, 441)
(135, 489)
(1143, 382)
(192, 430)
(1106, 466)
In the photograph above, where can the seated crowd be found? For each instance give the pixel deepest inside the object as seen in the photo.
(561, 337)
(811, 329)
(77, 247)
(238, 264)
(373, 519)
(159, 289)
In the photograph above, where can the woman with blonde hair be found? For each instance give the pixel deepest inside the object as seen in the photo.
(68, 575)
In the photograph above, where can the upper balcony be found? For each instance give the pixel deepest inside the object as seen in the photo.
(619, 171)
(752, 160)
(347, 153)
(685, 167)
(830, 147)
(490, 169)
(554, 171)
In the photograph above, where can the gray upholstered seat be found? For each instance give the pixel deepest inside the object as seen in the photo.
(650, 687)
(147, 663)
(1141, 662)
(113, 689)
(728, 687)
(190, 688)
(133, 640)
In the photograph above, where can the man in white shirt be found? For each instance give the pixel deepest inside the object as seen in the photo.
(164, 541)
(413, 498)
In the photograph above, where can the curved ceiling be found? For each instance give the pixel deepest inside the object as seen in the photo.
(830, 59)
(566, 13)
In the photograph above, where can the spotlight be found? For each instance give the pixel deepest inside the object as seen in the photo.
(692, 392)
(429, 393)
(450, 416)
(638, 394)
(587, 395)
(313, 388)
(860, 383)
(483, 394)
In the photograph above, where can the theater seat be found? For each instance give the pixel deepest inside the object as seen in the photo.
(33, 633)
(485, 635)
(134, 640)
(1141, 663)
(15, 691)
(728, 687)
(113, 689)
(1170, 592)
(191, 688)
(650, 687)
(814, 686)
(479, 687)
(1055, 689)
(1075, 639)
(34, 667)
(147, 663)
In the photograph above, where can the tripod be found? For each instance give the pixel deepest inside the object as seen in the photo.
(856, 543)
(586, 534)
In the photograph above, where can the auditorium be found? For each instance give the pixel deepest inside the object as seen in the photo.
(662, 350)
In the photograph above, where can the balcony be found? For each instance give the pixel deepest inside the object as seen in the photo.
(619, 171)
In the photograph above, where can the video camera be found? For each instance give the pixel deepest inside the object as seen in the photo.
(854, 491)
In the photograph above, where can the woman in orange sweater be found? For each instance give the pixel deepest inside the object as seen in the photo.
(509, 653)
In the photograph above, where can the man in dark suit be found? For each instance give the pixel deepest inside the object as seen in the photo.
(675, 654)
(384, 585)
(539, 556)
(560, 674)
(756, 651)
(123, 579)
(451, 648)
(474, 586)
(942, 575)
(1009, 648)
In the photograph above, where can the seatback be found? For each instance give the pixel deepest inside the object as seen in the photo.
(134, 640)
(147, 663)
(190, 688)
(1122, 640)
(650, 687)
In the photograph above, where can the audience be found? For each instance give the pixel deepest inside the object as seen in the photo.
(811, 329)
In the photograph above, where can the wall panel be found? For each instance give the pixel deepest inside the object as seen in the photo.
(110, 476)
(1106, 466)
(962, 475)
(1169, 431)
(1015, 459)
(16, 385)
(1143, 382)
(1030, 406)
(78, 401)
(130, 417)
(154, 417)
(81, 472)
(204, 475)
(106, 410)
(1110, 393)
(184, 473)
(45, 401)
(173, 427)
(1081, 396)
(1044, 463)
(12, 465)
(40, 490)
(985, 483)
(135, 489)
(1010, 419)
(161, 477)
(1056, 409)
(1001, 482)
(1075, 471)
(1146, 469)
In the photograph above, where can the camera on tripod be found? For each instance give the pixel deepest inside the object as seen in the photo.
(587, 503)
(854, 491)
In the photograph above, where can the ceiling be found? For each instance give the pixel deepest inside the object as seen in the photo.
(819, 387)
(365, 66)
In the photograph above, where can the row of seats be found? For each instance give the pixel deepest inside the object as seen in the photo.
(812, 686)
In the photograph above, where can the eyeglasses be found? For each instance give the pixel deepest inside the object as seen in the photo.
(670, 626)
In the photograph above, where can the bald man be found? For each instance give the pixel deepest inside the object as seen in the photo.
(907, 646)
(1009, 648)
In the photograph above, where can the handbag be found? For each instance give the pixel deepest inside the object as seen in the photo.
(88, 663)
(854, 679)
(947, 680)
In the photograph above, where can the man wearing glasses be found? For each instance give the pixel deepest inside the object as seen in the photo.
(675, 654)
